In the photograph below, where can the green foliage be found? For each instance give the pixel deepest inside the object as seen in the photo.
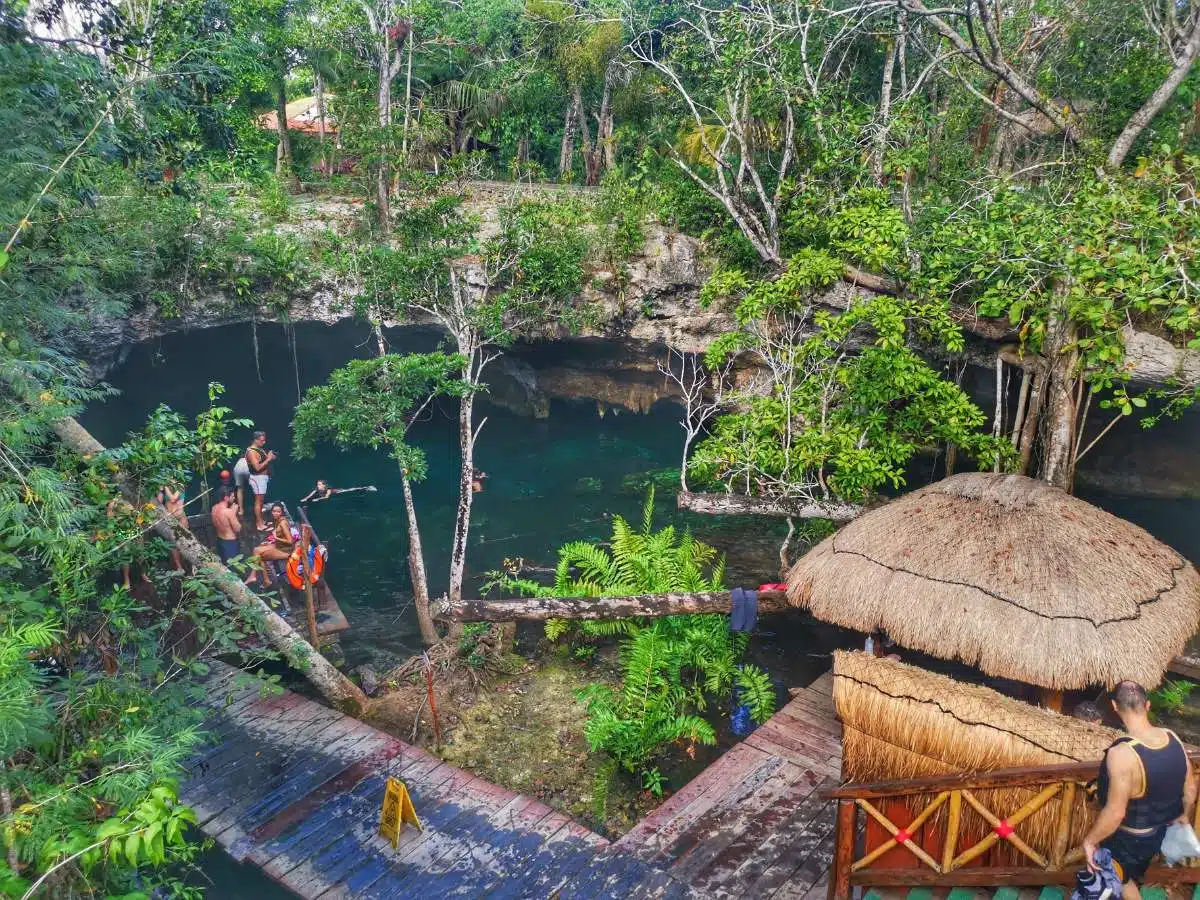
(1170, 697)
(673, 667)
(469, 641)
(850, 402)
(620, 215)
(545, 246)
(168, 451)
(97, 686)
(371, 403)
(1131, 258)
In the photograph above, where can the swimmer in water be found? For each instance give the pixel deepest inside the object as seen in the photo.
(323, 491)
(477, 479)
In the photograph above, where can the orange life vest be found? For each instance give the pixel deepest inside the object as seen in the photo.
(295, 576)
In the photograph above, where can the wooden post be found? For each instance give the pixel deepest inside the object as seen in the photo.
(950, 845)
(309, 609)
(843, 851)
(437, 725)
(1062, 830)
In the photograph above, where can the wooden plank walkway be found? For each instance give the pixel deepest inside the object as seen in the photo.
(753, 823)
(296, 788)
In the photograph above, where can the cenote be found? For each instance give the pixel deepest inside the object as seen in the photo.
(550, 481)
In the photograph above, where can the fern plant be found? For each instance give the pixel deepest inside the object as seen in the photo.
(672, 668)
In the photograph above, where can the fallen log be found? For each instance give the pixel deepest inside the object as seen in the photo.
(741, 505)
(322, 674)
(880, 284)
(539, 609)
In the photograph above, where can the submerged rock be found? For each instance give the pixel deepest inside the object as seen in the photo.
(369, 680)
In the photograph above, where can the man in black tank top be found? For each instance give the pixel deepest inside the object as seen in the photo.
(1145, 785)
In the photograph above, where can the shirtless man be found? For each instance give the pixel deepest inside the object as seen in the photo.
(227, 524)
(259, 461)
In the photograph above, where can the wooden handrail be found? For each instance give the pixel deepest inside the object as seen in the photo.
(997, 778)
(890, 806)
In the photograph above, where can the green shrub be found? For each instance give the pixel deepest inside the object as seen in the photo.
(673, 668)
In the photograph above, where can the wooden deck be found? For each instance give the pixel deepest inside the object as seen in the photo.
(296, 788)
(753, 823)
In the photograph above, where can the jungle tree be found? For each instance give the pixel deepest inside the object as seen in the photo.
(526, 278)
(373, 403)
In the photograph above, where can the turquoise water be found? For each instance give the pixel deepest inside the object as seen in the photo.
(551, 481)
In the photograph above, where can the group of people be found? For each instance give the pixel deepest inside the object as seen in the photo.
(253, 471)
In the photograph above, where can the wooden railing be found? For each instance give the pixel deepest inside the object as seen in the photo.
(967, 830)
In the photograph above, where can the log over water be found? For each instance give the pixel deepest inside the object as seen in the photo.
(332, 684)
(539, 609)
(741, 505)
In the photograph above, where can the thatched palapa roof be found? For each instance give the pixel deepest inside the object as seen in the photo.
(1010, 575)
(900, 722)
(302, 115)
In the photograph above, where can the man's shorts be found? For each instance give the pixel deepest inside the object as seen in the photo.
(227, 549)
(1134, 852)
(241, 473)
(258, 484)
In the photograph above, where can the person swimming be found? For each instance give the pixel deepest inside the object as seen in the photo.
(323, 491)
(477, 480)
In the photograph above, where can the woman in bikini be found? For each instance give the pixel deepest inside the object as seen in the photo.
(278, 548)
(171, 497)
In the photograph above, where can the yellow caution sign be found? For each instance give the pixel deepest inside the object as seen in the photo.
(397, 809)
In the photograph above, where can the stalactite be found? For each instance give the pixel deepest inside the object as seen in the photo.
(291, 332)
(254, 339)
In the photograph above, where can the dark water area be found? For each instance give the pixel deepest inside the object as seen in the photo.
(550, 481)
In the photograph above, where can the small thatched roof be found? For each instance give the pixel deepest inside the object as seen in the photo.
(900, 722)
(302, 115)
(1012, 576)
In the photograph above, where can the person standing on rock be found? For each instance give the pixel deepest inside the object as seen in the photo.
(227, 524)
(259, 459)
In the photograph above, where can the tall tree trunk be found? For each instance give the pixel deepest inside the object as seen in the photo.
(1030, 427)
(566, 153)
(407, 88)
(416, 567)
(604, 125)
(383, 178)
(332, 684)
(592, 155)
(283, 150)
(320, 89)
(884, 118)
(1058, 430)
(1184, 60)
(462, 521)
